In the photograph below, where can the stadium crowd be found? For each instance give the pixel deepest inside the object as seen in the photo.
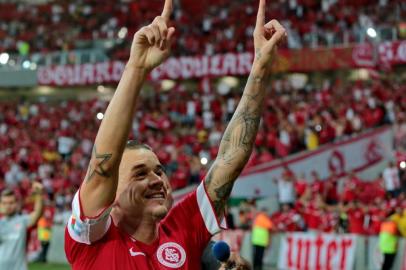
(209, 26)
(343, 205)
(52, 141)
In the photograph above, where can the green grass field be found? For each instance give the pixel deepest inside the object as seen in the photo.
(43, 266)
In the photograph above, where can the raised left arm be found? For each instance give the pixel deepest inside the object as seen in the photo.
(239, 137)
(38, 204)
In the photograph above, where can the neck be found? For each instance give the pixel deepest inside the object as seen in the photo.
(144, 229)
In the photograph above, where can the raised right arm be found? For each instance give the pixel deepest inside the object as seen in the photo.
(150, 47)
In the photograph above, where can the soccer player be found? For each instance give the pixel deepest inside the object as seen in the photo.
(121, 214)
(13, 228)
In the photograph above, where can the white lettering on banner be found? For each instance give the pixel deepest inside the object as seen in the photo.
(102, 72)
(306, 251)
(172, 68)
(202, 66)
(188, 66)
(203, 69)
(360, 153)
(118, 69)
(385, 52)
(70, 75)
(245, 63)
(77, 71)
(61, 75)
(44, 76)
(362, 55)
(88, 74)
(214, 65)
(229, 64)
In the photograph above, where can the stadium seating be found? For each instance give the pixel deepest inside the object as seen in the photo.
(203, 27)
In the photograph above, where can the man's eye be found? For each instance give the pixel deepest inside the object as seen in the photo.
(140, 174)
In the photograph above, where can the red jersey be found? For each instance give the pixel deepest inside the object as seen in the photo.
(356, 220)
(312, 215)
(300, 187)
(183, 235)
(329, 221)
(286, 221)
(377, 216)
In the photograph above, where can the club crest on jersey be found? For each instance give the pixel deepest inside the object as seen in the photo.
(171, 255)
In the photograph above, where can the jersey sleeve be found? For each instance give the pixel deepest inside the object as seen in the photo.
(194, 218)
(87, 230)
(213, 225)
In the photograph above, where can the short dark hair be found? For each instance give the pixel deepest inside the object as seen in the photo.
(135, 145)
(7, 192)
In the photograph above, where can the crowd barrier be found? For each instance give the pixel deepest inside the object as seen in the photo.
(290, 251)
(312, 251)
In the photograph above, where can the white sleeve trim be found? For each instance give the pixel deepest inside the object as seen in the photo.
(207, 211)
(87, 230)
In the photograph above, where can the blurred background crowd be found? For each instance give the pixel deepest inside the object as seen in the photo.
(202, 27)
(51, 142)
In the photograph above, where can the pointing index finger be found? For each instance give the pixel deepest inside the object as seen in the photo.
(167, 11)
(260, 15)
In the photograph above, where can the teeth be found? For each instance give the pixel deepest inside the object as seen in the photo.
(157, 196)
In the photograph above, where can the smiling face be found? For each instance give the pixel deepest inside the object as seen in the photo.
(143, 188)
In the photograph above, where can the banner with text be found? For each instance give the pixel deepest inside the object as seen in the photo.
(303, 60)
(306, 251)
(364, 152)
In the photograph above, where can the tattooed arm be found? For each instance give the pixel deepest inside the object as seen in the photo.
(239, 136)
(150, 47)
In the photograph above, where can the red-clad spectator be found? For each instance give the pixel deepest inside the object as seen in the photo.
(356, 216)
(331, 187)
(301, 185)
(288, 219)
(312, 212)
(329, 220)
(351, 183)
(317, 185)
(377, 214)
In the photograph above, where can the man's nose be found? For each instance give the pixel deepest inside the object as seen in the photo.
(156, 180)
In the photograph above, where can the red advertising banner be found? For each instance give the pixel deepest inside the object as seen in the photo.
(304, 60)
(392, 53)
(307, 251)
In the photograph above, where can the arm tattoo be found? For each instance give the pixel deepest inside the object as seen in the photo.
(100, 160)
(242, 130)
(236, 144)
(258, 54)
(222, 193)
(220, 187)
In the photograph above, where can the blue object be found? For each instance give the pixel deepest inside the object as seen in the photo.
(221, 250)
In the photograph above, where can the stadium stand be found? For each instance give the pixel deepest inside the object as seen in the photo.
(212, 26)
